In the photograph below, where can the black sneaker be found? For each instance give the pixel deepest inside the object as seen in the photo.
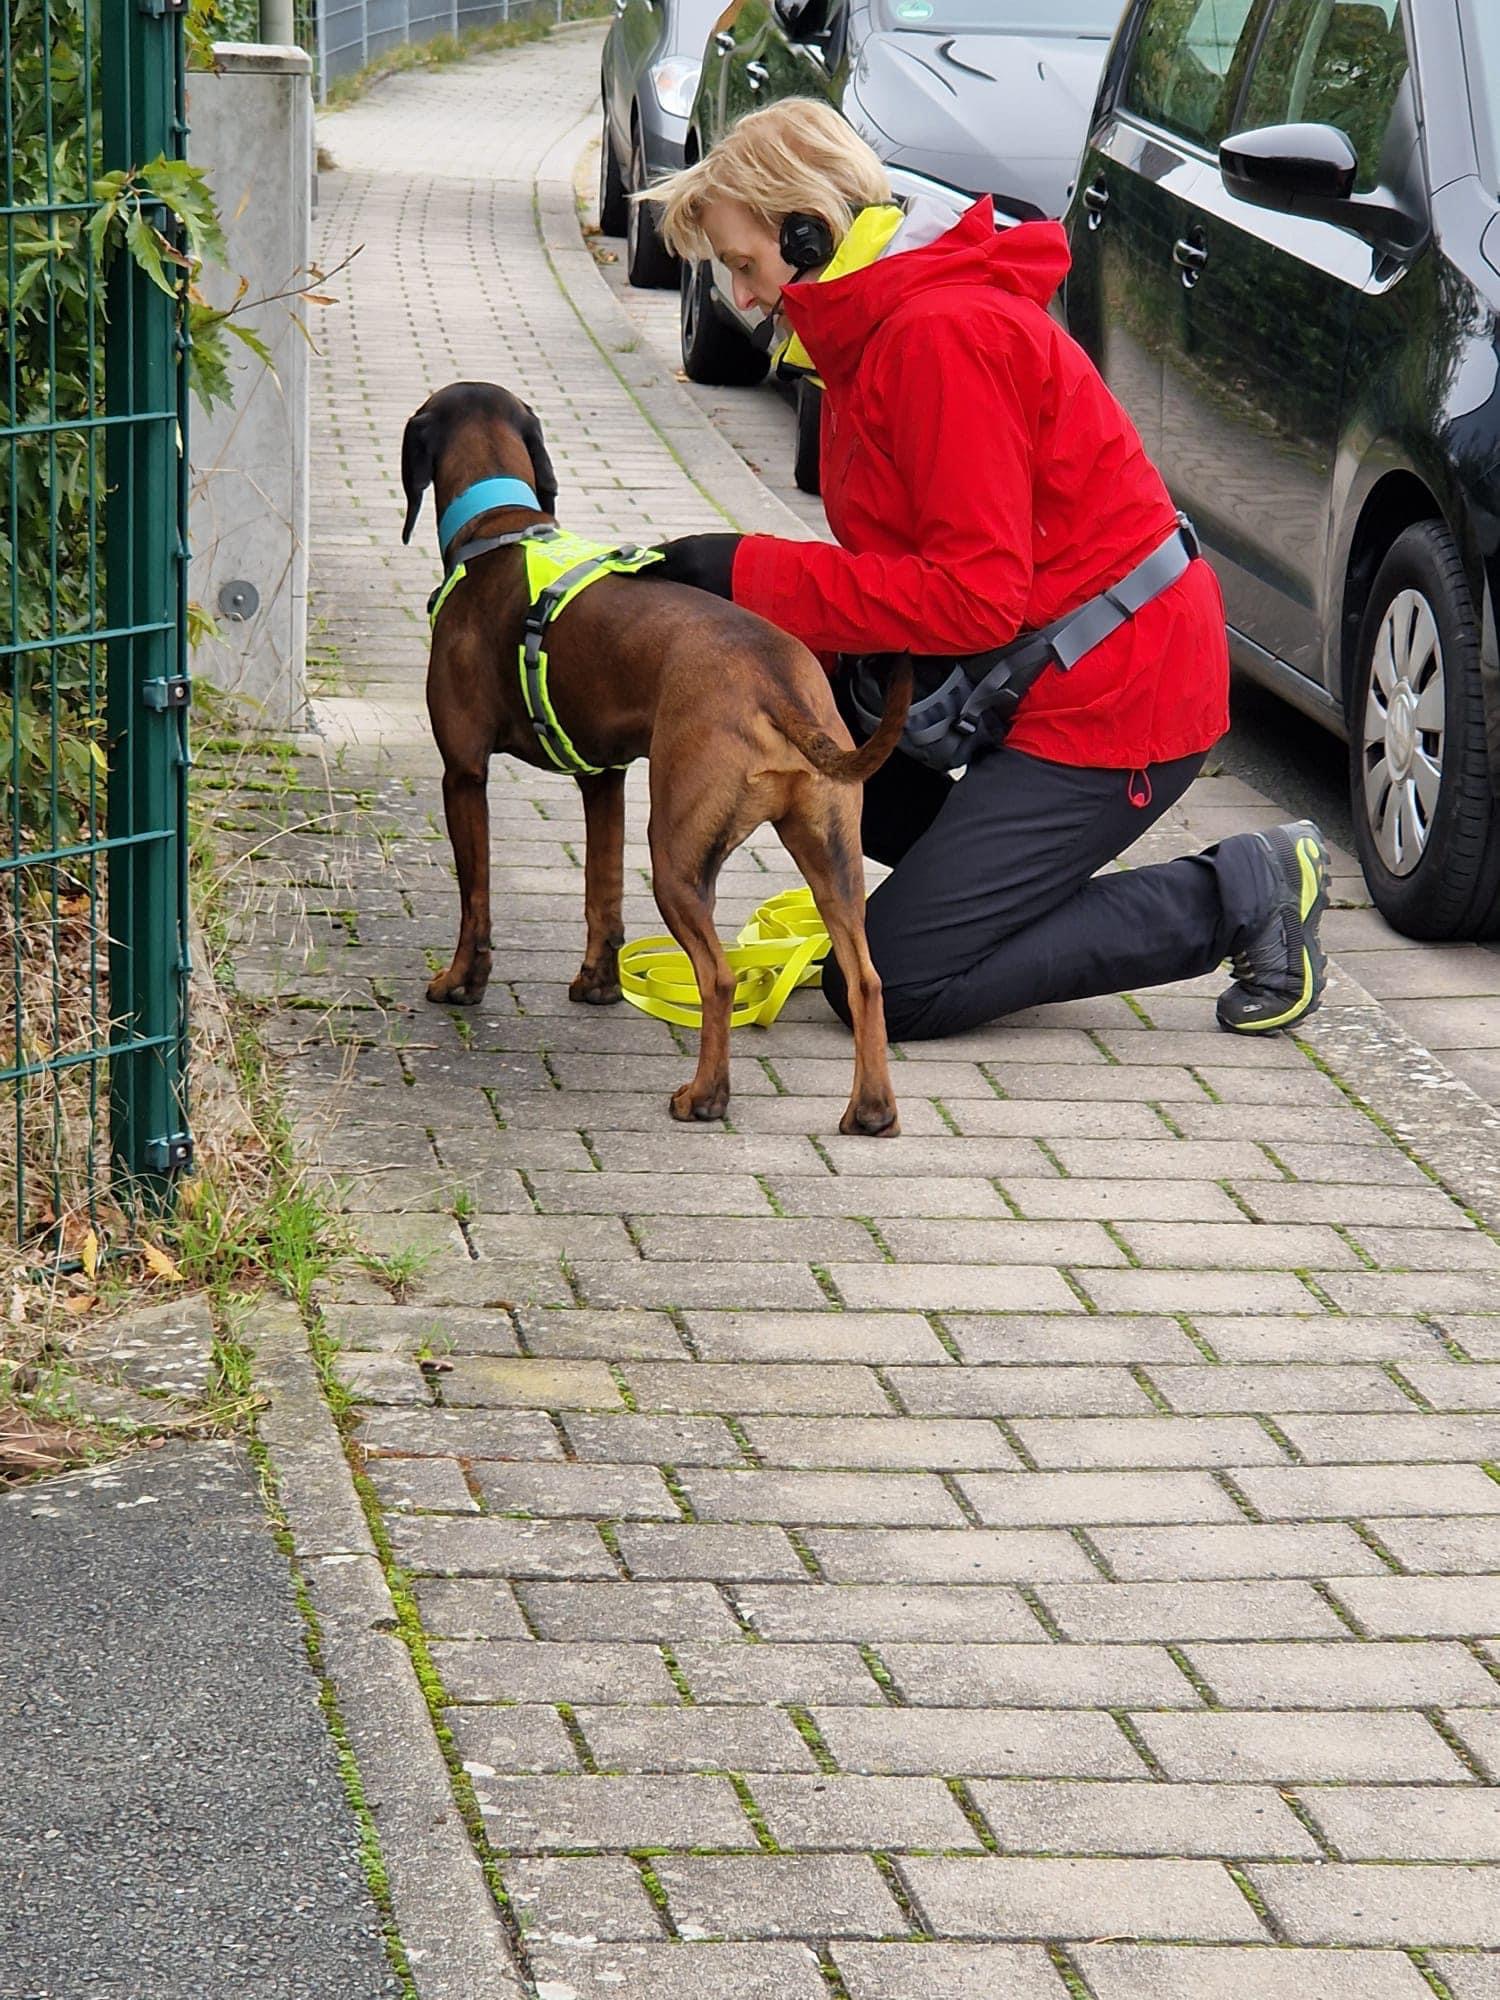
(1281, 969)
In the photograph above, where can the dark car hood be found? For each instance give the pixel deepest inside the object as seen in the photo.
(992, 114)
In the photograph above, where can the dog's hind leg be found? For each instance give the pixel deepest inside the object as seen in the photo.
(821, 833)
(467, 812)
(687, 907)
(598, 981)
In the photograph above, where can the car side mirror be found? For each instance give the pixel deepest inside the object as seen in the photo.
(1310, 170)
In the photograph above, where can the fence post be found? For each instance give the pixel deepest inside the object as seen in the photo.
(146, 584)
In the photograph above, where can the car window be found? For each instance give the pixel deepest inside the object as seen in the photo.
(1332, 62)
(1189, 56)
(1012, 17)
(1481, 30)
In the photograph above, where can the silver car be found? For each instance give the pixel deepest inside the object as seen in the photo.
(653, 57)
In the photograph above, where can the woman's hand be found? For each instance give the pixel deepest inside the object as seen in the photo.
(704, 561)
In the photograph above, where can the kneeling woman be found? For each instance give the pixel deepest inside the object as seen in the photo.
(983, 484)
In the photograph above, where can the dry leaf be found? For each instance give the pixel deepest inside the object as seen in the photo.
(17, 1305)
(160, 1265)
(90, 1254)
(80, 1303)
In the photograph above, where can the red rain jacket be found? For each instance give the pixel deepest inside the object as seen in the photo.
(982, 480)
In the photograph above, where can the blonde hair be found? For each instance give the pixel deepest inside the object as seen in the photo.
(797, 157)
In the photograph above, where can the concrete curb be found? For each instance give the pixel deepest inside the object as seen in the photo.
(447, 1919)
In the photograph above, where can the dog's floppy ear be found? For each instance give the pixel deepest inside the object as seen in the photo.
(543, 478)
(416, 465)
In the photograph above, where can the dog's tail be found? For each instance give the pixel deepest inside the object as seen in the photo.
(852, 767)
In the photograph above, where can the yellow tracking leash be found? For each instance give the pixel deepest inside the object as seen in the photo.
(781, 948)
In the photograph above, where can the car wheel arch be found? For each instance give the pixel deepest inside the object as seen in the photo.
(1399, 499)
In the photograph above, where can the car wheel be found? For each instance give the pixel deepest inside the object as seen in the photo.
(649, 264)
(713, 350)
(807, 468)
(1425, 818)
(613, 204)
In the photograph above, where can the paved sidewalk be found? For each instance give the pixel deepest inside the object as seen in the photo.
(1057, 1551)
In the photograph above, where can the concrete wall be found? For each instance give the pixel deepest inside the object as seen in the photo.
(252, 131)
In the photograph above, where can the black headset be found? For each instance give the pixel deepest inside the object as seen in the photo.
(806, 242)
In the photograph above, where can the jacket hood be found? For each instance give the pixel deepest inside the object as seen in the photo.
(836, 318)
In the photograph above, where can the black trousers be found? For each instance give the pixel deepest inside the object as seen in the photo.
(996, 904)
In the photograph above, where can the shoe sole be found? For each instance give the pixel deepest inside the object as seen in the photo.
(1312, 861)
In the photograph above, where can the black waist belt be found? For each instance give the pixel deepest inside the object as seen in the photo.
(976, 701)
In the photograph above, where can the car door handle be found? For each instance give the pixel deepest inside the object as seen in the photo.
(1096, 200)
(1189, 254)
(757, 74)
(723, 42)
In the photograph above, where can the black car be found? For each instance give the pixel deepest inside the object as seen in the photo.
(1286, 244)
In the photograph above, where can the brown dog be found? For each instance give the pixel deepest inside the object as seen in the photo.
(737, 719)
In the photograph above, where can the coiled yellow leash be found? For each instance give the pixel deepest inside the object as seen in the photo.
(781, 948)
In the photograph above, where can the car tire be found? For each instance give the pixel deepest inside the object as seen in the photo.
(713, 351)
(1426, 824)
(807, 466)
(614, 205)
(649, 264)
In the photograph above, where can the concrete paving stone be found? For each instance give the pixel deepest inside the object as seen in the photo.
(871, 1613)
(947, 1555)
(1477, 1334)
(1276, 1124)
(1408, 1248)
(1206, 1048)
(1468, 1976)
(1411, 1292)
(1341, 1492)
(1480, 1731)
(1019, 1391)
(541, 1815)
(1450, 1387)
(1172, 1554)
(1141, 1442)
(1262, 1085)
(745, 1388)
(1005, 1898)
(1407, 1822)
(694, 1739)
(1015, 1339)
(562, 1902)
(651, 1440)
(534, 1670)
(393, 1329)
(820, 1115)
(1131, 1083)
(498, 1382)
(778, 1896)
(881, 1443)
(562, 1333)
(1291, 1748)
(1241, 1246)
(918, 1500)
(1413, 1439)
(1037, 1675)
(597, 1193)
(421, 1485)
(478, 1151)
(1369, 1904)
(1319, 1337)
(947, 1972)
(954, 1287)
(814, 1336)
(679, 1972)
(1162, 1159)
(1423, 1607)
(1055, 1499)
(920, 1076)
(639, 1610)
(946, 1153)
(383, 1378)
(1207, 1972)
(704, 1150)
(1120, 1201)
(527, 1738)
(473, 1608)
(724, 1554)
(777, 1673)
(583, 1238)
(602, 1075)
(1053, 1118)
(1355, 1165)
(1346, 1673)
(590, 1492)
(664, 1284)
(841, 1813)
(437, 1546)
(1359, 1207)
(1196, 1292)
(936, 1195)
(1182, 1611)
(1238, 1822)
(1228, 1388)
(1458, 1546)
(770, 1239)
(976, 1743)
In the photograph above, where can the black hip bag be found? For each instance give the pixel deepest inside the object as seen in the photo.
(975, 701)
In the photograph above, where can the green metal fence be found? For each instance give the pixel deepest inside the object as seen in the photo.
(93, 682)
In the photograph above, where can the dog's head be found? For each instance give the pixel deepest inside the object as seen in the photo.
(488, 431)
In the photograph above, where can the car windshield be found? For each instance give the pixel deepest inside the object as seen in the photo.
(1002, 17)
(1482, 46)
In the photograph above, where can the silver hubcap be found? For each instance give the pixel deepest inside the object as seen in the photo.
(1403, 732)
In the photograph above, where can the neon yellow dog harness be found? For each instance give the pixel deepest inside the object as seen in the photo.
(559, 567)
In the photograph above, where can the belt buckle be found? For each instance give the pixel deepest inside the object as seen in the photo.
(1190, 539)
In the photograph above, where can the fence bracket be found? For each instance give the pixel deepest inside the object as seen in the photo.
(176, 691)
(170, 1156)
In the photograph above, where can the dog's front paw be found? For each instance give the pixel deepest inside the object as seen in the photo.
(688, 1108)
(595, 989)
(458, 991)
(878, 1119)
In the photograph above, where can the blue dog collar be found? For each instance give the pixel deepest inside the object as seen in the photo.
(480, 499)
